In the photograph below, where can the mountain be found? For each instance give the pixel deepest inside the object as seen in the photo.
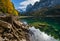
(43, 4)
(6, 6)
(28, 7)
(44, 7)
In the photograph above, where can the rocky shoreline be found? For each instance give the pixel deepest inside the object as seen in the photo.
(13, 30)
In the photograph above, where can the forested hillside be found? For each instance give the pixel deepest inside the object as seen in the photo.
(6, 6)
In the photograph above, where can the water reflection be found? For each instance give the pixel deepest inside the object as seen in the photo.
(51, 28)
(40, 36)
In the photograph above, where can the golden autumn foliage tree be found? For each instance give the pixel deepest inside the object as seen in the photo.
(6, 6)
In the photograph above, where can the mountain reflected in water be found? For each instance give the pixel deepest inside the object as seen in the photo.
(40, 36)
(49, 31)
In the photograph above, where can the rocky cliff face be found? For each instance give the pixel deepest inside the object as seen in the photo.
(44, 7)
(43, 4)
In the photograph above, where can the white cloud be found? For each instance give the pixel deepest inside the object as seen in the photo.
(24, 4)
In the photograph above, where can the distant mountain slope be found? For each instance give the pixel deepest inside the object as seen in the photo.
(44, 7)
(43, 4)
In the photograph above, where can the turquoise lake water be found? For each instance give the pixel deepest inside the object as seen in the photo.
(52, 25)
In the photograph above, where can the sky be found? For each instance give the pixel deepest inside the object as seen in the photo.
(22, 4)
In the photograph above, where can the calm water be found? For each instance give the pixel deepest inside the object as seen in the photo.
(37, 35)
(52, 28)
